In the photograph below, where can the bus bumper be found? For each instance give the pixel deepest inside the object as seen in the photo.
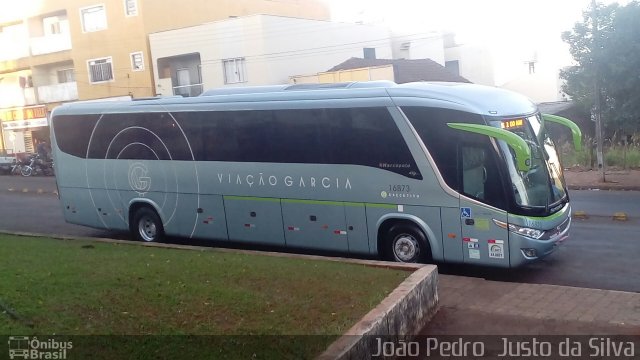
(525, 250)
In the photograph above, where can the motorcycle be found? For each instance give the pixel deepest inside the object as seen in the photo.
(16, 166)
(37, 166)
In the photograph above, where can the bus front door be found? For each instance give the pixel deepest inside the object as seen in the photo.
(483, 242)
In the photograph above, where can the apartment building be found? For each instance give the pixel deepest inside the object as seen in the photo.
(256, 50)
(57, 51)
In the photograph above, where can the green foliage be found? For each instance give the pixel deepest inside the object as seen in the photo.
(613, 57)
(623, 157)
(618, 156)
(245, 304)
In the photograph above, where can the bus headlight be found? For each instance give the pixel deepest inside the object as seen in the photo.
(520, 230)
(525, 231)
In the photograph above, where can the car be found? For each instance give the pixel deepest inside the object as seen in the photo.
(6, 162)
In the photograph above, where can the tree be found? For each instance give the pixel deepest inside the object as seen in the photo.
(614, 58)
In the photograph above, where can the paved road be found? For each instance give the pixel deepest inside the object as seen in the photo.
(601, 253)
(606, 203)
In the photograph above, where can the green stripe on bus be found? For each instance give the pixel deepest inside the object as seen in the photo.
(312, 202)
(323, 202)
(385, 206)
(253, 198)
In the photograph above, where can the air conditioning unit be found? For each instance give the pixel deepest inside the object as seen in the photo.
(405, 45)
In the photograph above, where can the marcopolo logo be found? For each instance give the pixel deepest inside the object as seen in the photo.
(25, 347)
(138, 178)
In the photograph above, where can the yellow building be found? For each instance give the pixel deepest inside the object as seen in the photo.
(56, 51)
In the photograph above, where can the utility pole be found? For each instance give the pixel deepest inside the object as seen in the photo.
(597, 110)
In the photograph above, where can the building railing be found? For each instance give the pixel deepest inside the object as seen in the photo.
(188, 90)
(50, 44)
(58, 92)
(12, 48)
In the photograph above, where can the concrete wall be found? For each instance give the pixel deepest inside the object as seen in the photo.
(400, 316)
(422, 46)
(543, 85)
(364, 74)
(475, 63)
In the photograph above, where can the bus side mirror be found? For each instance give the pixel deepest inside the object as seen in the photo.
(575, 130)
(520, 147)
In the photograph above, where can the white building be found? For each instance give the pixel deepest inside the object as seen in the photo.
(419, 46)
(257, 50)
(538, 78)
(472, 62)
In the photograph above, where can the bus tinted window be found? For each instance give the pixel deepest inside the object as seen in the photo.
(360, 136)
(357, 136)
(441, 140)
(73, 133)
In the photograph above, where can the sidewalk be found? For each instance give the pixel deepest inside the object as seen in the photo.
(591, 179)
(473, 306)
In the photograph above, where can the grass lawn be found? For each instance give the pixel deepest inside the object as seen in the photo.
(72, 287)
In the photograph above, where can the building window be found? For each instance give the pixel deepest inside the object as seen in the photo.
(26, 81)
(100, 70)
(137, 63)
(453, 67)
(94, 18)
(532, 67)
(52, 25)
(66, 76)
(369, 53)
(131, 7)
(234, 71)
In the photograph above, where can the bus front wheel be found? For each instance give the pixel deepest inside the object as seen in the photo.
(407, 243)
(147, 226)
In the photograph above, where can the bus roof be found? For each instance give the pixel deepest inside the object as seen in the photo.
(484, 100)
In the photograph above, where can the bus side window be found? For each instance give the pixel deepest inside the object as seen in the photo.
(480, 174)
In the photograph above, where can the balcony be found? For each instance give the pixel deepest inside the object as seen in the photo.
(50, 44)
(30, 96)
(188, 90)
(59, 92)
(12, 48)
(15, 96)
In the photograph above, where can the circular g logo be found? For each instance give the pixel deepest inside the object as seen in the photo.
(138, 179)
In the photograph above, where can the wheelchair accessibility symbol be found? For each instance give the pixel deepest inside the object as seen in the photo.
(465, 213)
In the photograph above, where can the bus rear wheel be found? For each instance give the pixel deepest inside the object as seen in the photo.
(147, 226)
(407, 243)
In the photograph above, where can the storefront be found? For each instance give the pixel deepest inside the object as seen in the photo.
(22, 127)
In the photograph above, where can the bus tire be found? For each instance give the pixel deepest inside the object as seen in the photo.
(147, 225)
(407, 243)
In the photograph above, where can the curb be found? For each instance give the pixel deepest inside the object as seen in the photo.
(617, 216)
(401, 314)
(605, 187)
(32, 191)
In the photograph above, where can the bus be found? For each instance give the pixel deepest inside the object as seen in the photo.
(416, 172)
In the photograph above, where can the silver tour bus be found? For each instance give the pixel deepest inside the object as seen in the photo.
(416, 172)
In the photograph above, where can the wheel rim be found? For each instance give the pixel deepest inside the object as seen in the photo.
(147, 228)
(406, 248)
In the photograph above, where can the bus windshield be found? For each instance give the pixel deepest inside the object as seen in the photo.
(542, 186)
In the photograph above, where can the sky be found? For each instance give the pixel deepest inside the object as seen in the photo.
(512, 29)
